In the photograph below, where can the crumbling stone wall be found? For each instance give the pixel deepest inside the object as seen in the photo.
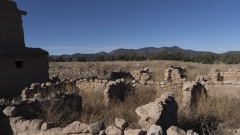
(11, 30)
(232, 74)
(109, 89)
(13, 79)
(192, 90)
(175, 74)
(141, 75)
(157, 117)
(231, 90)
(214, 75)
(20, 66)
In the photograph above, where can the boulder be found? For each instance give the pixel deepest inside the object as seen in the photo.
(96, 127)
(113, 130)
(173, 130)
(121, 123)
(35, 125)
(76, 127)
(151, 110)
(129, 131)
(155, 130)
(10, 111)
(46, 126)
(38, 97)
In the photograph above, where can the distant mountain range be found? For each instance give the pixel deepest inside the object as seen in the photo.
(147, 51)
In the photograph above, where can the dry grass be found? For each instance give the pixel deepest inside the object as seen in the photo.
(209, 112)
(158, 67)
(205, 118)
(93, 108)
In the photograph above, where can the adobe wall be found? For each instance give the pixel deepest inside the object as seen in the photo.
(11, 30)
(20, 66)
(13, 79)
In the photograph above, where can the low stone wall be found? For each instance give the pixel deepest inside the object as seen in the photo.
(110, 89)
(220, 90)
(157, 118)
(232, 74)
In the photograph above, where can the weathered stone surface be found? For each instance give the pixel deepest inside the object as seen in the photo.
(121, 123)
(102, 132)
(189, 132)
(162, 112)
(173, 130)
(21, 65)
(145, 125)
(96, 127)
(129, 131)
(113, 130)
(46, 126)
(155, 130)
(10, 111)
(38, 97)
(76, 127)
(24, 126)
(231, 91)
(151, 110)
(35, 125)
(53, 131)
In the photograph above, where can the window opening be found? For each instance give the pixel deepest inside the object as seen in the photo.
(18, 64)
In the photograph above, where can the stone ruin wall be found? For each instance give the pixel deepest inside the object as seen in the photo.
(156, 117)
(189, 90)
(13, 80)
(20, 66)
(214, 84)
(11, 30)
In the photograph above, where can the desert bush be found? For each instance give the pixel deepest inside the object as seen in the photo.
(58, 112)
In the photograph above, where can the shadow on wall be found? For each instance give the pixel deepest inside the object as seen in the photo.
(118, 75)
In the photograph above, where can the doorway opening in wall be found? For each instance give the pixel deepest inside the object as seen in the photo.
(18, 64)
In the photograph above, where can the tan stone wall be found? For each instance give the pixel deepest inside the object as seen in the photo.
(232, 91)
(232, 74)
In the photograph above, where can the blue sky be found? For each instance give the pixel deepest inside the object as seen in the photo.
(90, 26)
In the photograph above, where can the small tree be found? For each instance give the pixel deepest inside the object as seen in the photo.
(70, 59)
(100, 58)
(82, 59)
(60, 59)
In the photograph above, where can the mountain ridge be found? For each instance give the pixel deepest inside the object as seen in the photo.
(146, 51)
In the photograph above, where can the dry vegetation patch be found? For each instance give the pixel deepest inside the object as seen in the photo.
(158, 67)
(211, 115)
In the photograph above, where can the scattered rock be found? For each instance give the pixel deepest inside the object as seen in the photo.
(155, 130)
(173, 130)
(96, 127)
(10, 111)
(129, 131)
(113, 130)
(121, 123)
(76, 127)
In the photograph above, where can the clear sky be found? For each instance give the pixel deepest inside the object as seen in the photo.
(90, 26)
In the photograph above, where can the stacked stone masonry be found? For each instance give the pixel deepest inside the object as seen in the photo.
(175, 74)
(19, 65)
(159, 121)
